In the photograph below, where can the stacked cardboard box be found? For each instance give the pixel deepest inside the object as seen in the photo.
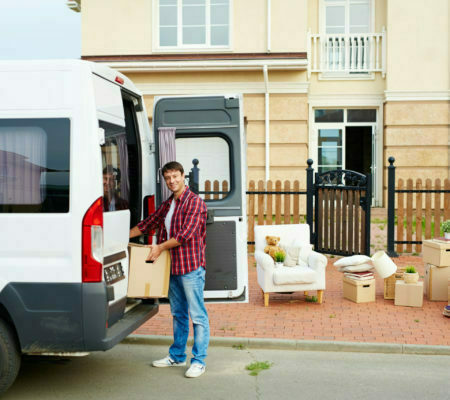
(436, 252)
(359, 291)
(436, 255)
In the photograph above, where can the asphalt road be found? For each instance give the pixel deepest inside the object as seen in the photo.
(125, 373)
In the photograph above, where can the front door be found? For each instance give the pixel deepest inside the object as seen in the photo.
(346, 139)
(209, 129)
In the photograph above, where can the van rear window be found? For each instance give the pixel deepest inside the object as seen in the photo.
(34, 165)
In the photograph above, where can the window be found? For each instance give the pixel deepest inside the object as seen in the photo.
(330, 149)
(347, 16)
(34, 165)
(349, 40)
(213, 154)
(329, 115)
(194, 23)
(116, 186)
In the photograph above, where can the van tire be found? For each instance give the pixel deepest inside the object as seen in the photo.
(10, 356)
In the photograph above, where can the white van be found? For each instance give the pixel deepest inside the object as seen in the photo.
(78, 168)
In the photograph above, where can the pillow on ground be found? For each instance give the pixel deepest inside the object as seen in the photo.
(358, 268)
(352, 260)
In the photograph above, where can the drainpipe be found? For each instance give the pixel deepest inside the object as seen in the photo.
(267, 121)
(268, 25)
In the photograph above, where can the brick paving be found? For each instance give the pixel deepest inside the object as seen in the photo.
(290, 317)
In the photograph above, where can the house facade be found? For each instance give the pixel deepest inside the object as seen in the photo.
(347, 83)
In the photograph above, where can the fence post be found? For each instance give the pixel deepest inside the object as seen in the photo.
(194, 178)
(368, 209)
(391, 208)
(309, 198)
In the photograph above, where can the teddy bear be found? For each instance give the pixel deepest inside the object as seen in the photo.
(272, 246)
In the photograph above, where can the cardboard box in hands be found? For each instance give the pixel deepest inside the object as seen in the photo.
(147, 280)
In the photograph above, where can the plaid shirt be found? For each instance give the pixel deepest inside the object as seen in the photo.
(188, 227)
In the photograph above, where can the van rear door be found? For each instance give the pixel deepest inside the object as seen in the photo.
(121, 166)
(209, 129)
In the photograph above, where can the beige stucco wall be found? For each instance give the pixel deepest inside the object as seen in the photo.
(418, 45)
(417, 135)
(288, 136)
(374, 86)
(113, 27)
(289, 20)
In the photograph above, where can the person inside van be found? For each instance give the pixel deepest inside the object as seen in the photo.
(111, 200)
(181, 221)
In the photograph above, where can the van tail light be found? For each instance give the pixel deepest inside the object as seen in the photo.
(149, 208)
(92, 243)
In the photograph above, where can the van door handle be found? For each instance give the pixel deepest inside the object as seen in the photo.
(210, 217)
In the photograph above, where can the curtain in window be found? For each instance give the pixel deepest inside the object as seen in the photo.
(23, 156)
(121, 141)
(167, 153)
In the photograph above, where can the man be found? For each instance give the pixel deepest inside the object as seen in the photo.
(181, 220)
(111, 200)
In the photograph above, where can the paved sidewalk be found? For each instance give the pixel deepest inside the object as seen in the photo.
(336, 319)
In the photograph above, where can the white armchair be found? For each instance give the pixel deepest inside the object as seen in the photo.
(302, 277)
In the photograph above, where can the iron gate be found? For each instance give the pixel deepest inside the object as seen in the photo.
(342, 200)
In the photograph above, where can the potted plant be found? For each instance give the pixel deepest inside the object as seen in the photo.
(410, 275)
(446, 229)
(279, 258)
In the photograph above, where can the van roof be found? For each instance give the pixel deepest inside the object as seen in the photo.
(48, 65)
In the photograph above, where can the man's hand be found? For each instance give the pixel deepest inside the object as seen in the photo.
(157, 249)
(155, 252)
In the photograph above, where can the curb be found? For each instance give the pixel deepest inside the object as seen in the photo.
(301, 345)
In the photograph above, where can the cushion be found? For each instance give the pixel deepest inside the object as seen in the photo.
(293, 275)
(291, 259)
(305, 251)
(352, 260)
(297, 253)
(357, 268)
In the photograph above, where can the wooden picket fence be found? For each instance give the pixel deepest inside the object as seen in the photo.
(432, 205)
(272, 203)
(215, 190)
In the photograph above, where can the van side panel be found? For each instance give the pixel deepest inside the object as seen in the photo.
(47, 316)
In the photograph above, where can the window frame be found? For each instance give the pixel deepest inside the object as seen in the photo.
(32, 208)
(346, 3)
(180, 47)
(323, 4)
(231, 187)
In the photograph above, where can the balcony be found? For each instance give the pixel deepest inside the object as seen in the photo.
(347, 56)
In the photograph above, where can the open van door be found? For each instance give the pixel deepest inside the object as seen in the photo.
(209, 129)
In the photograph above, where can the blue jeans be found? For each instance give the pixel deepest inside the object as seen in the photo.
(186, 299)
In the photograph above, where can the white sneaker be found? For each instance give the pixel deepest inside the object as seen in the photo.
(195, 370)
(167, 362)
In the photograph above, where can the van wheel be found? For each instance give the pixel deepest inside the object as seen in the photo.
(10, 356)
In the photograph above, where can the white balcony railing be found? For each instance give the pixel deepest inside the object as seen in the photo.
(362, 53)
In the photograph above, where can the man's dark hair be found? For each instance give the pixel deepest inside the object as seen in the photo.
(172, 166)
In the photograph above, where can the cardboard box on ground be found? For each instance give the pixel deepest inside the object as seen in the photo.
(147, 280)
(436, 282)
(408, 294)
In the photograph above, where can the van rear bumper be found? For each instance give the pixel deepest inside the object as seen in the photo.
(132, 320)
(66, 317)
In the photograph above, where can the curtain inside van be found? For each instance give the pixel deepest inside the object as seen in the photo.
(23, 157)
(167, 153)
